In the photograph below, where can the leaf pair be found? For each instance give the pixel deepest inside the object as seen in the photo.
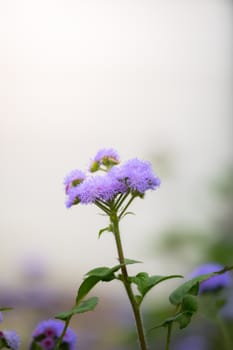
(184, 298)
(104, 274)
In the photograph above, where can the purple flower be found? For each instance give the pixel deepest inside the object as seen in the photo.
(11, 338)
(48, 343)
(1, 317)
(47, 332)
(107, 157)
(192, 342)
(134, 176)
(137, 175)
(215, 282)
(100, 187)
(74, 178)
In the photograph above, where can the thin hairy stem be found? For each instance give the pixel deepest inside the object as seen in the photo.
(127, 284)
(169, 332)
(103, 207)
(126, 207)
(59, 341)
(120, 200)
(225, 334)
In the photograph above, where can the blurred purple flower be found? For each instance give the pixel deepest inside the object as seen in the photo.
(192, 342)
(227, 309)
(215, 282)
(1, 317)
(47, 332)
(11, 338)
(48, 343)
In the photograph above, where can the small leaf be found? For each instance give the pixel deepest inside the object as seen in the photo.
(94, 276)
(85, 287)
(6, 308)
(138, 299)
(168, 320)
(189, 287)
(145, 282)
(84, 306)
(108, 229)
(131, 261)
(184, 320)
(101, 272)
(189, 304)
(127, 213)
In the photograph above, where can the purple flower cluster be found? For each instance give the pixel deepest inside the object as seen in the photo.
(47, 332)
(10, 338)
(133, 176)
(215, 282)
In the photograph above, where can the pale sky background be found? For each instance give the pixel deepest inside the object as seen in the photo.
(144, 77)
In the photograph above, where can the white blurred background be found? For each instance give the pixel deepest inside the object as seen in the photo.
(152, 79)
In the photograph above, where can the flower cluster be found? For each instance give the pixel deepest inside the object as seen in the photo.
(134, 176)
(9, 339)
(47, 333)
(214, 283)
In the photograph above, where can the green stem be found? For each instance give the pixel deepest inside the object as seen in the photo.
(120, 200)
(129, 291)
(169, 332)
(103, 207)
(59, 341)
(225, 334)
(126, 207)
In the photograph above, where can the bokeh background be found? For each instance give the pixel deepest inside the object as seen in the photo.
(152, 79)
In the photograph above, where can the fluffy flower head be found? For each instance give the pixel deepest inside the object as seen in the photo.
(74, 178)
(215, 282)
(134, 176)
(47, 332)
(99, 187)
(11, 338)
(137, 175)
(107, 157)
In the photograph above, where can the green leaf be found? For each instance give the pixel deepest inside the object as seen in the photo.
(184, 319)
(168, 320)
(108, 229)
(145, 282)
(84, 306)
(6, 308)
(189, 287)
(86, 286)
(127, 213)
(131, 261)
(105, 274)
(189, 304)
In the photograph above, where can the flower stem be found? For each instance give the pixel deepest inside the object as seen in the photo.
(169, 331)
(129, 291)
(225, 335)
(126, 207)
(59, 341)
